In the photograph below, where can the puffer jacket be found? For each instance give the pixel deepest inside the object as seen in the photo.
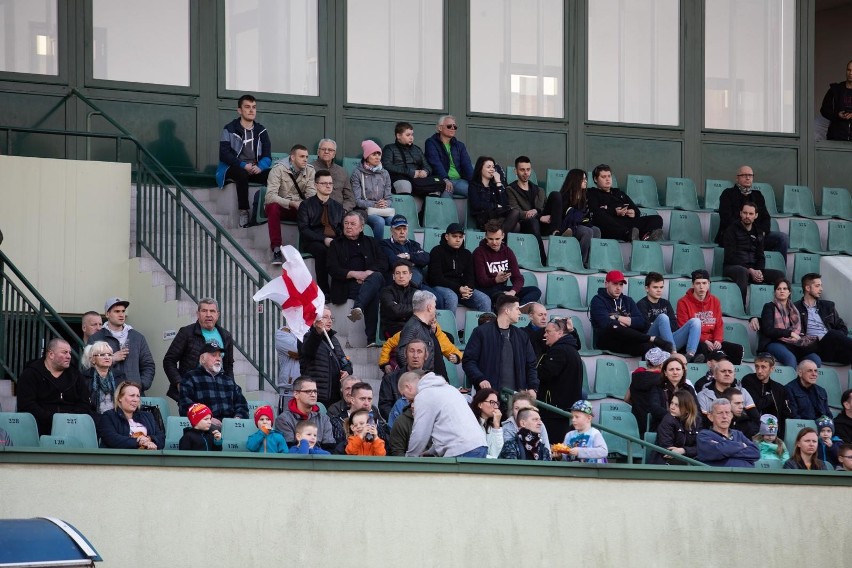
(368, 186)
(319, 362)
(402, 161)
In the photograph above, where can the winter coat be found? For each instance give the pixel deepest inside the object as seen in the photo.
(560, 374)
(182, 355)
(742, 247)
(731, 203)
(436, 155)
(395, 307)
(513, 449)
(415, 328)
(337, 263)
(275, 443)
(368, 187)
(645, 390)
(402, 161)
(114, 430)
(139, 366)
(318, 361)
(401, 432)
(309, 219)
(43, 395)
(832, 104)
(199, 441)
(483, 200)
(482, 357)
(285, 187)
(672, 433)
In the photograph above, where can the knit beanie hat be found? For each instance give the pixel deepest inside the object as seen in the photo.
(768, 425)
(825, 422)
(197, 412)
(263, 411)
(370, 147)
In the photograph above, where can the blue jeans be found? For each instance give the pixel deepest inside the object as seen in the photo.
(785, 357)
(479, 452)
(478, 301)
(777, 241)
(377, 223)
(689, 334)
(459, 188)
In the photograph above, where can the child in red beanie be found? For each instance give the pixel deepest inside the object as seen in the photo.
(198, 436)
(266, 440)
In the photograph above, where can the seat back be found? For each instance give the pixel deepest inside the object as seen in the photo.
(837, 202)
(590, 180)
(432, 238)
(677, 290)
(564, 253)
(555, 179)
(636, 287)
(349, 164)
(563, 291)
(783, 374)
(21, 427)
(605, 255)
(472, 239)
(624, 423)
(612, 378)
(681, 194)
(737, 333)
(685, 227)
(593, 283)
(758, 296)
(768, 464)
(827, 378)
(438, 212)
(730, 297)
(643, 190)
(615, 406)
(774, 260)
(647, 257)
(405, 205)
(686, 259)
(447, 321)
(512, 175)
(769, 197)
(235, 432)
(585, 349)
(471, 320)
(58, 443)
(799, 200)
(260, 196)
(715, 221)
(792, 426)
(804, 235)
(526, 250)
(174, 430)
(803, 263)
(713, 189)
(159, 402)
(651, 438)
(452, 375)
(840, 236)
(76, 427)
(253, 405)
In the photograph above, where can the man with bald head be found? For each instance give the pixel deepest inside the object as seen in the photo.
(731, 203)
(807, 400)
(723, 378)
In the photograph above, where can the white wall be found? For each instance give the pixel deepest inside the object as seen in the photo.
(66, 226)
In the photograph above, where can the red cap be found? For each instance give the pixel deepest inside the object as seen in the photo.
(615, 276)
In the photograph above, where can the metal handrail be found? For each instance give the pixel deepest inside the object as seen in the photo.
(630, 439)
(191, 246)
(25, 327)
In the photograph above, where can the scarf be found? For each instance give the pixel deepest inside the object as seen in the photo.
(530, 441)
(102, 385)
(745, 190)
(787, 317)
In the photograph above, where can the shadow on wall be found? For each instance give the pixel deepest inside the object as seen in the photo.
(169, 149)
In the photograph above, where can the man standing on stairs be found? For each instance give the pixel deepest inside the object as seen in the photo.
(185, 349)
(291, 181)
(245, 154)
(131, 354)
(357, 268)
(342, 192)
(320, 220)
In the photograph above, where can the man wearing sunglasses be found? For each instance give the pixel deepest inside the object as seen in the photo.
(448, 156)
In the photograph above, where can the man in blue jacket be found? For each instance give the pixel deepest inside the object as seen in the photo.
(448, 157)
(617, 323)
(499, 354)
(807, 400)
(245, 153)
(720, 446)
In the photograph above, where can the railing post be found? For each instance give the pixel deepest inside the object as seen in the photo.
(3, 344)
(179, 244)
(138, 203)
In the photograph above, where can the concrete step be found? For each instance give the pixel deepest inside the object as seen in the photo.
(6, 388)
(8, 403)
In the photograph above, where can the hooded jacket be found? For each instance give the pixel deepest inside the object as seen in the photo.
(369, 186)
(487, 263)
(603, 306)
(401, 432)
(286, 424)
(832, 104)
(672, 433)
(43, 395)
(709, 312)
(436, 155)
(444, 417)
(199, 441)
(231, 144)
(284, 187)
(275, 443)
(450, 267)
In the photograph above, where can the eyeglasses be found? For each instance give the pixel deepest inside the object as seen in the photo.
(492, 403)
(451, 126)
(327, 149)
(308, 391)
(328, 318)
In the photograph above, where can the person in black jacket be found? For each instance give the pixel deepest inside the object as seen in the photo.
(615, 213)
(451, 273)
(320, 220)
(769, 396)
(404, 160)
(50, 385)
(114, 425)
(645, 391)
(321, 358)
(357, 268)
(183, 353)
(781, 332)
(820, 318)
(744, 261)
(395, 299)
(560, 374)
(488, 198)
(200, 436)
(731, 203)
(837, 108)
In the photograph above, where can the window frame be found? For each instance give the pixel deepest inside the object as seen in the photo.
(63, 48)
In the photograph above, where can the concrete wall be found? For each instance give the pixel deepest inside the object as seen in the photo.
(66, 227)
(197, 517)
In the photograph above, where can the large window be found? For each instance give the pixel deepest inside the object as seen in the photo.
(395, 53)
(141, 42)
(28, 36)
(749, 65)
(516, 57)
(634, 63)
(271, 46)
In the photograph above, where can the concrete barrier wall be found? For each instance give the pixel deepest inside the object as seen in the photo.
(197, 516)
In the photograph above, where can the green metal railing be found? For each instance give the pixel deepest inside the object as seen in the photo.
(630, 439)
(27, 322)
(190, 245)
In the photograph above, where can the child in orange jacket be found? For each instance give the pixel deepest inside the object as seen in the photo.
(364, 437)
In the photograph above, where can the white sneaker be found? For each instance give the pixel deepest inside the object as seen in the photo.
(244, 218)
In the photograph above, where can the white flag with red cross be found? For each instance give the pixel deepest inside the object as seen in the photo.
(296, 292)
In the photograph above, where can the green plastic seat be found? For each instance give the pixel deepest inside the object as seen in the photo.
(737, 333)
(174, 430)
(715, 221)
(796, 292)
(349, 164)
(791, 430)
(529, 278)
(58, 443)
(593, 283)
(612, 379)
(647, 257)
(758, 296)
(799, 201)
(21, 427)
(718, 263)
(685, 227)
(452, 375)
(803, 263)
(253, 405)
(677, 290)
(636, 287)
(775, 260)
(804, 235)
(563, 291)
(681, 194)
(827, 378)
(260, 217)
(368, 231)
(432, 238)
(769, 196)
(590, 180)
(783, 374)
(278, 156)
(322, 409)
(159, 402)
(837, 202)
(840, 237)
(439, 213)
(764, 465)
(623, 423)
(77, 427)
(405, 205)
(235, 432)
(713, 189)
(472, 239)
(614, 406)
(564, 253)
(643, 191)
(686, 259)
(447, 320)
(730, 297)
(605, 255)
(651, 438)
(526, 250)
(584, 350)
(471, 321)
(555, 179)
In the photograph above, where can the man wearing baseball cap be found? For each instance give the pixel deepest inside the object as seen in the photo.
(617, 322)
(131, 354)
(209, 385)
(400, 247)
(451, 273)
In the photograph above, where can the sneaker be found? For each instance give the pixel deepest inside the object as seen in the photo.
(699, 359)
(277, 257)
(355, 314)
(373, 344)
(656, 235)
(663, 344)
(634, 234)
(244, 218)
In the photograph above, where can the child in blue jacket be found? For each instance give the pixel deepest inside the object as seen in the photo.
(266, 440)
(306, 439)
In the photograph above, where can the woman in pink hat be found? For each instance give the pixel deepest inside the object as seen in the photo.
(371, 185)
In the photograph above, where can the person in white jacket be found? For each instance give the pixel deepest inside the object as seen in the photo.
(486, 407)
(442, 415)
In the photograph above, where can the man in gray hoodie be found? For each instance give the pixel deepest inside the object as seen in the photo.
(443, 416)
